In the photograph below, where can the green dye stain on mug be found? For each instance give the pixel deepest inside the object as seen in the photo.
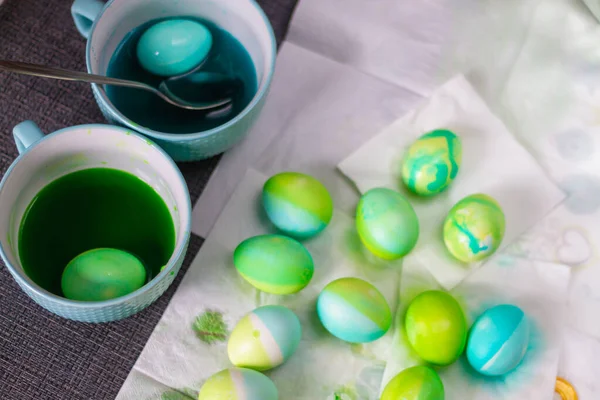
(90, 209)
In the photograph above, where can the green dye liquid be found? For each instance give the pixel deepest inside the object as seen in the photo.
(89, 209)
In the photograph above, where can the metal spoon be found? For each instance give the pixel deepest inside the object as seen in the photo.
(58, 73)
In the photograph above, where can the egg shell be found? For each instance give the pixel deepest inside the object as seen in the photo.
(415, 383)
(386, 223)
(102, 274)
(436, 327)
(238, 384)
(498, 340)
(265, 338)
(274, 264)
(474, 228)
(432, 162)
(173, 47)
(354, 310)
(297, 204)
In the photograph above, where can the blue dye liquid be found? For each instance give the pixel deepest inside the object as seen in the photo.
(227, 56)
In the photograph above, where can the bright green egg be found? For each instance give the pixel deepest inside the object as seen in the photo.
(415, 383)
(432, 162)
(102, 274)
(386, 223)
(474, 228)
(436, 327)
(274, 264)
(238, 384)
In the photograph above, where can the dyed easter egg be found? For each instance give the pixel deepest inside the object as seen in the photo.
(386, 223)
(238, 384)
(432, 162)
(354, 310)
(173, 47)
(436, 327)
(274, 264)
(102, 274)
(474, 228)
(297, 204)
(415, 383)
(498, 340)
(265, 338)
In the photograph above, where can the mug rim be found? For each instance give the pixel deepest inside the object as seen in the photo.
(179, 252)
(185, 137)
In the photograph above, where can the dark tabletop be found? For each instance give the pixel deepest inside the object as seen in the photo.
(43, 356)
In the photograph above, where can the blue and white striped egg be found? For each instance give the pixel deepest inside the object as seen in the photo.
(498, 340)
(238, 384)
(265, 338)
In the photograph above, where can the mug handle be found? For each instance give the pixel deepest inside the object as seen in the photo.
(25, 134)
(84, 14)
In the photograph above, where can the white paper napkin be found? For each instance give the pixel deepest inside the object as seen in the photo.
(539, 289)
(493, 163)
(323, 366)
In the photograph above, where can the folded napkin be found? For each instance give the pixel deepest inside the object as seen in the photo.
(493, 163)
(539, 289)
(189, 343)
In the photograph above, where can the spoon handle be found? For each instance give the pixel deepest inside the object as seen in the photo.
(67, 75)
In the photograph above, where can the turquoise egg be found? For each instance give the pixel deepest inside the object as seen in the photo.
(102, 274)
(274, 264)
(173, 47)
(415, 383)
(265, 338)
(354, 310)
(238, 384)
(386, 223)
(498, 340)
(297, 204)
(432, 162)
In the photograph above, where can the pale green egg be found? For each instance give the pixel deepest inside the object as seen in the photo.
(474, 228)
(102, 274)
(415, 383)
(432, 162)
(238, 384)
(274, 263)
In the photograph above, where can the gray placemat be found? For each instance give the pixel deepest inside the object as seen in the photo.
(43, 356)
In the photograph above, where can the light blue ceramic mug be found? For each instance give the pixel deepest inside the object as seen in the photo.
(44, 159)
(105, 26)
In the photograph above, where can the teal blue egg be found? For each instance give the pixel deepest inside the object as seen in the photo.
(173, 47)
(386, 223)
(102, 274)
(498, 340)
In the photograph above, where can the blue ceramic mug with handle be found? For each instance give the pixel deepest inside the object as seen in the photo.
(106, 25)
(43, 159)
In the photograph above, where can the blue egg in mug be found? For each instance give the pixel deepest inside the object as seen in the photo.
(237, 63)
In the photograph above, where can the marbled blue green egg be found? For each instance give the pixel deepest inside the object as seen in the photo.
(274, 263)
(474, 228)
(297, 204)
(498, 340)
(265, 338)
(386, 223)
(173, 47)
(238, 384)
(354, 310)
(432, 162)
(415, 383)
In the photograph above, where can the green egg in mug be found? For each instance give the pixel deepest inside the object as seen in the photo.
(95, 222)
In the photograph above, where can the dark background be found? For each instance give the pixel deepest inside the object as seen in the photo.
(43, 356)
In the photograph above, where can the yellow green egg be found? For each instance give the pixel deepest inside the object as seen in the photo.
(102, 274)
(474, 228)
(415, 383)
(274, 263)
(386, 223)
(354, 310)
(432, 162)
(265, 338)
(238, 384)
(297, 204)
(436, 327)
